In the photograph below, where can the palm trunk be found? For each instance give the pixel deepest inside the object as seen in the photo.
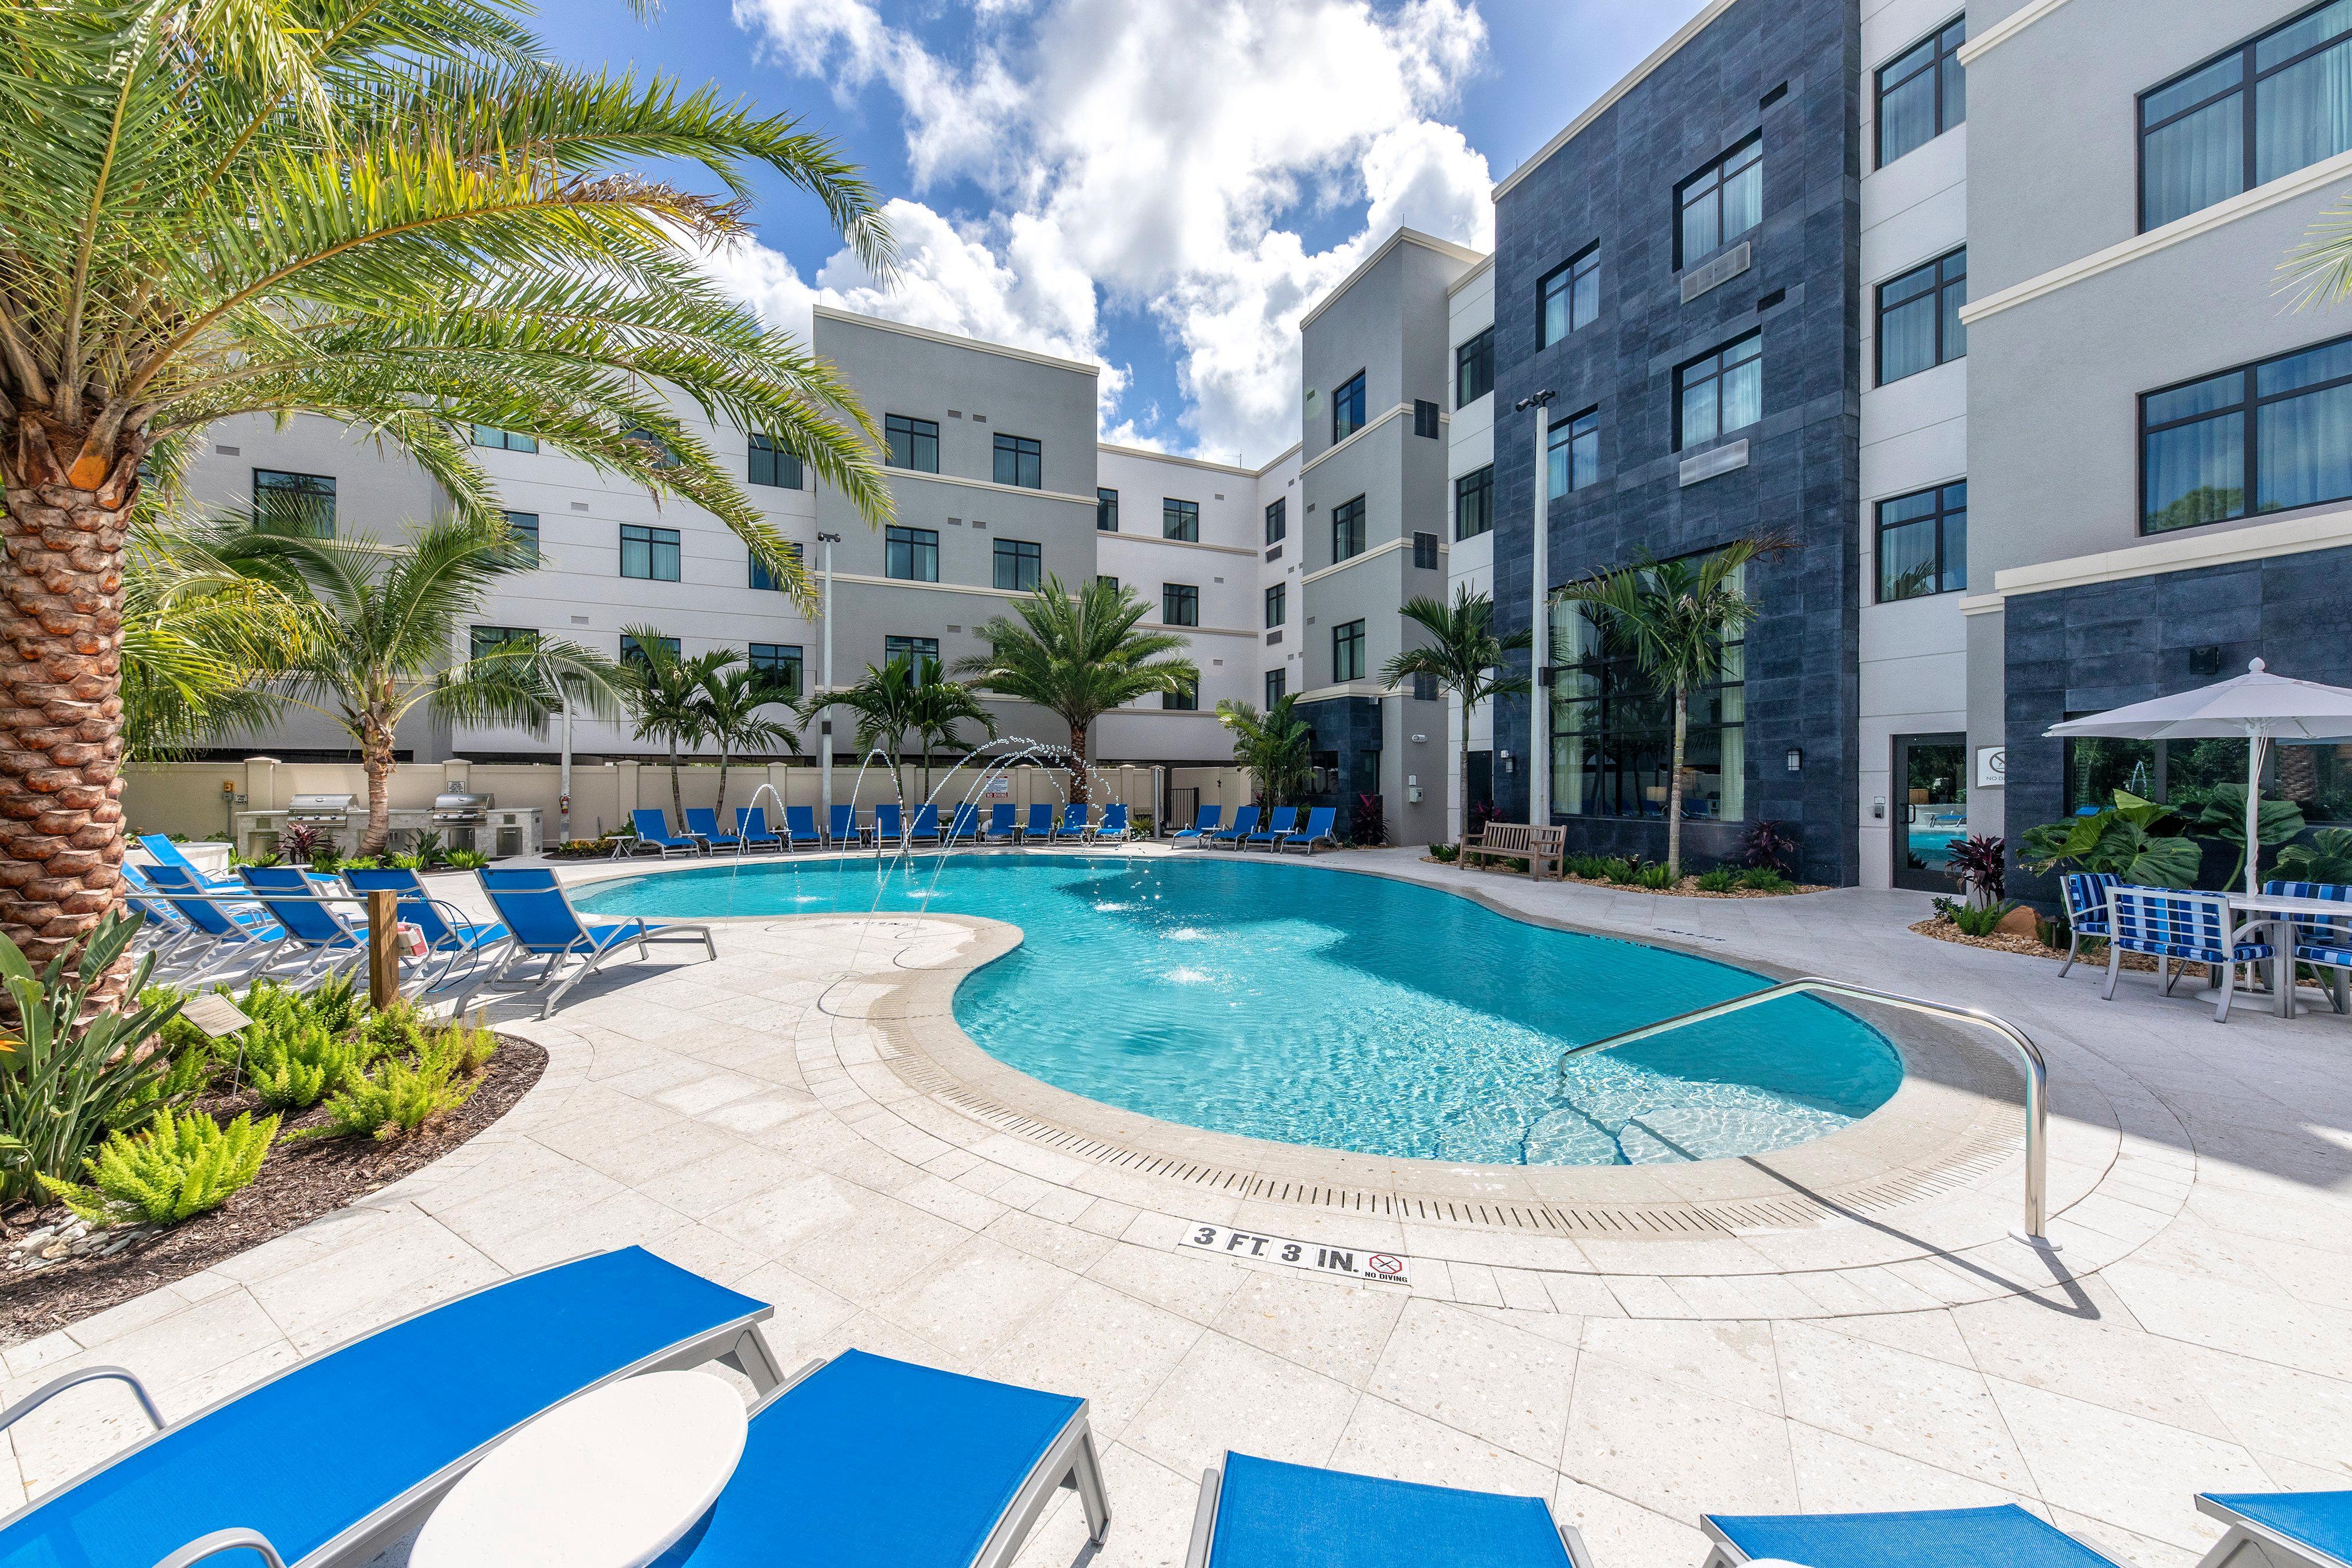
(1078, 763)
(1674, 789)
(376, 761)
(720, 814)
(677, 796)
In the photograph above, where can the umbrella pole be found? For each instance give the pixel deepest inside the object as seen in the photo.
(2255, 743)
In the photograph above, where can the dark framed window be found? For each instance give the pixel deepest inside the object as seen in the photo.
(1277, 605)
(1572, 454)
(1923, 92)
(1474, 369)
(771, 464)
(778, 667)
(2279, 102)
(524, 527)
(1347, 408)
(1425, 552)
(1348, 652)
(633, 652)
(1919, 324)
(1185, 699)
(1720, 202)
(1426, 421)
(2264, 437)
(1276, 683)
(303, 502)
(1018, 462)
(1568, 296)
(1719, 393)
(1107, 581)
(1612, 729)
(1179, 605)
(1018, 565)
(498, 440)
(1106, 511)
(1277, 520)
(1425, 688)
(1179, 520)
(911, 554)
(913, 651)
(665, 454)
(911, 442)
(1473, 503)
(2184, 774)
(1923, 543)
(1348, 529)
(649, 553)
(486, 640)
(764, 579)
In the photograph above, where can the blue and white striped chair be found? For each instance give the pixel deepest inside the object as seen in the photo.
(2085, 893)
(2322, 944)
(2181, 928)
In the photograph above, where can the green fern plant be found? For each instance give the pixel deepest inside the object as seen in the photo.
(1657, 876)
(179, 1167)
(1764, 879)
(1722, 878)
(295, 1063)
(407, 1092)
(398, 1030)
(1619, 869)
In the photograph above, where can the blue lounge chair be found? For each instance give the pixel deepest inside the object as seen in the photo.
(1210, 819)
(2085, 893)
(889, 823)
(164, 928)
(1073, 824)
(536, 910)
(1931, 1538)
(2179, 928)
(1041, 822)
(2306, 1527)
(865, 1462)
(652, 833)
(1244, 824)
(2322, 944)
(925, 827)
(1261, 1513)
(166, 852)
(404, 1411)
(1003, 826)
(702, 822)
(844, 828)
(1318, 830)
(331, 940)
(225, 933)
(964, 826)
(800, 827)
(1285, 823)
(1114, 822)
(457, 938)
(751, 827)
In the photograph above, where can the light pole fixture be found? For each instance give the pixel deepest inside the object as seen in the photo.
(1540, 641)
(825, 712)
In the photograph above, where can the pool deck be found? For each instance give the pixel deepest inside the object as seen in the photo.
(798, 1119)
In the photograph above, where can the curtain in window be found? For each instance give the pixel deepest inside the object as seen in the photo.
(2304, 446)
(1909, 343)
(1907, 114)
(1743, 198)
(2304, 114)
(2196, 162)
(2196, 473)
(1743, 386)
(1906, 561)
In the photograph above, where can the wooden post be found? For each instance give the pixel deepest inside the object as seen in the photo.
(384, 948)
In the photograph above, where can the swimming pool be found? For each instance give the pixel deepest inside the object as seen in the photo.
(1313, 1006)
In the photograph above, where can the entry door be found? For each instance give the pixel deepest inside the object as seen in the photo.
(1929, 809)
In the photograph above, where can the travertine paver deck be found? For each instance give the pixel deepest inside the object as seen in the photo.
(753, 1119)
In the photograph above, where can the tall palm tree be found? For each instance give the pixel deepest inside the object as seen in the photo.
(886, 701)
(1676, 616)
(382, 628)
(667, 697)
(1464, 656)
(398, 214)
(1078, 655)
(734, 699)
(941, 707)
(1276, 746)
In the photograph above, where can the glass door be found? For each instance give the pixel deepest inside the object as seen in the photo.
(1931, 808)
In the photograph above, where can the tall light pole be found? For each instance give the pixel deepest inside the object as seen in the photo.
(824, 713)
(1540, 644)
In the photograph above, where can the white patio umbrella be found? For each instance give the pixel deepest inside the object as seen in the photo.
(2258, 706)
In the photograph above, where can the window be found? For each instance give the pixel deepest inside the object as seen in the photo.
(1348, 652)
(1572, 454)
(911, 554)
(1612, 729)
(1276, 683)
(1179, 605)
(1923, 543)
(649, 553)
(1474, 369)
(524, 527)
(771, 464)
(1425, 552)
(1017, 462)
(1720, 202)
(1109, 583)
(1923, 94)
(2278, 103)
(1473, 503)
(664, 455)
(633, 653)
(764, 579)
(1719, 393)
(912, 650)
(1185, 699)
(1277, 605)
(1569, 297)
(498, 440)
(1277, 520)
(1348, 529)
(2183, 774)
(778, 667)
(912, 443)
(486, 639)
(1018, 565)
(1106, 511)
(303, 502)
(1425, 418)
(1347, 408)
(1179, 520)
(1919, 324)
(2263, 438)
(1424, 688)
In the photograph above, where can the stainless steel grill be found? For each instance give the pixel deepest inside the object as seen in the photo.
(461, 808)
(319, 810)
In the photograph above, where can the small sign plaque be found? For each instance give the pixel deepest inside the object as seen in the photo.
(1355, 1263)
(999, 788)
(215, 1014)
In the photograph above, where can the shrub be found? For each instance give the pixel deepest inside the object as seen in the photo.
(1657, 877)
(1617, 869)
(180, 1167)
(297, 1063)
(1444, 854)
(1722, 878)
(1974, 920)
(429, 851)
(336, 1002)
(1763, 879)
(299, 844)
(471, 859)
(1370, 829)
(398, 1030)
(325, 861)
(1768, 847)
(1980, 866)
(2327, 857)
(2136, 839)
(1593, 868)
(408, 863)
(403, 1094)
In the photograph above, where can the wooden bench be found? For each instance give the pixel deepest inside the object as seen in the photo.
(1523, 841)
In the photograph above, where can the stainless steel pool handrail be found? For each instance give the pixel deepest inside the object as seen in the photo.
(2037, 1071)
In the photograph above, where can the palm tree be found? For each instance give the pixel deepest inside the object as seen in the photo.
(200, 642)
(402, 214)
(1078, 655)
(381, 630)
(1675, 615)
(667, 697)
(942, 706)
(733, 693)
(886, 701)
(1274, 746)
(1463, 657)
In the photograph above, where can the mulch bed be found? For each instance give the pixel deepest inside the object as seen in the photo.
(297, 1183)
(2095, 952)
(1687, 888)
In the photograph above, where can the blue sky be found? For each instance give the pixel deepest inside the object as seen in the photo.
(1161, 188)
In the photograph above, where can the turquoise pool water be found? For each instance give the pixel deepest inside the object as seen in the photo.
(1351, 1012)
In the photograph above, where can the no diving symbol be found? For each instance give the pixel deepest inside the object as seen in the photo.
(1386, 1267)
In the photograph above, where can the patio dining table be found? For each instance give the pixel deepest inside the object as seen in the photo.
(2278, 914)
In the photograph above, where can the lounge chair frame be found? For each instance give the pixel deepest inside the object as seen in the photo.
(1204, 1526)
(2246, 1543)
(555, 980)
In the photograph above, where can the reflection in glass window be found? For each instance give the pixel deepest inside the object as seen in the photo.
(2265, 438)
(1923, 543)
(1720, 202)
(2279, 102)
(1719, 393)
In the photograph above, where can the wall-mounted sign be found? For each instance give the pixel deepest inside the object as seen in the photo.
(1353, 1262)
(1000, 788)
(1993, 766)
